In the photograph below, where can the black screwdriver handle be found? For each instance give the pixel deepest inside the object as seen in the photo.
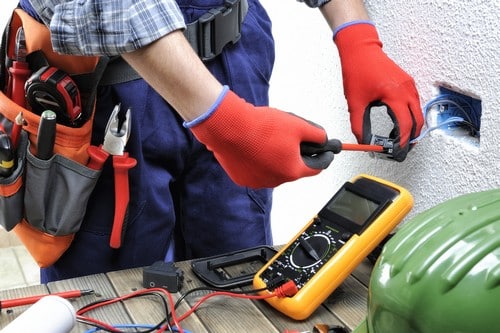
(46, 135)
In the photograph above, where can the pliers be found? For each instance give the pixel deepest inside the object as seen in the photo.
(116, 136)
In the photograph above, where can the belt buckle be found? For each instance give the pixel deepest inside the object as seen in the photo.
(219, 27)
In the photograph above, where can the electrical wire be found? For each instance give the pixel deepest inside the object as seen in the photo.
(441, 100)
(287, 289)
(159, 292)
(132, 326)
(448, 121)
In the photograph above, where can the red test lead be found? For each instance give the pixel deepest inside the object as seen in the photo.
(10, 303)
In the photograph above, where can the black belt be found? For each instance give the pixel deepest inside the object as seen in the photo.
(217, 28)
(208, 36)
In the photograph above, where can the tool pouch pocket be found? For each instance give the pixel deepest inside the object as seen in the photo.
(12, 190)
(44, 201)
(55, 198)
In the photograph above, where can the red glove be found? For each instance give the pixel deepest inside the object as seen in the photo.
(372, 79)
(259, 146)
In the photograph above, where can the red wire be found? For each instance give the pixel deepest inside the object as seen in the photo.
(287, 289)
(99, 323)
(124, 297)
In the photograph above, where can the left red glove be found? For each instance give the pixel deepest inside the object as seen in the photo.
(370, 79)
(260, 146)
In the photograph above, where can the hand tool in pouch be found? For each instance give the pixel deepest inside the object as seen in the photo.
(7, 159)
(19, 71)
(50, 88)
(46, 135)
(115, 140)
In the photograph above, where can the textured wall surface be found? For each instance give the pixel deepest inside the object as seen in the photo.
(439, 41)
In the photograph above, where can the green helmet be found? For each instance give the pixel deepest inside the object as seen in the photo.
(440, 273)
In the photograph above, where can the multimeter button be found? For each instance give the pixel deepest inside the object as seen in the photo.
(345, 236)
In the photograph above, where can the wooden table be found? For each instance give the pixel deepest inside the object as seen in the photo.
(346, 306)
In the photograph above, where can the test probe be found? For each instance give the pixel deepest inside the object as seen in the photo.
(10, 303)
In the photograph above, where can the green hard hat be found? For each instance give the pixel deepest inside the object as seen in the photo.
(440, 273)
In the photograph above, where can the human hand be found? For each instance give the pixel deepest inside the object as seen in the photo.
(259, 146)
(370, 79)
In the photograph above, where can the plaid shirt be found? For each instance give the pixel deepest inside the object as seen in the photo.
(107, 27)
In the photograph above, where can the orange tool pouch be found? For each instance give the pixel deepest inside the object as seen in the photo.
(43, 201)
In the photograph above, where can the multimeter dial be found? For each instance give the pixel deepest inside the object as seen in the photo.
(309, 250)
(307, 254)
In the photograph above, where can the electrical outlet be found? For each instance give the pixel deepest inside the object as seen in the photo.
(448, 104)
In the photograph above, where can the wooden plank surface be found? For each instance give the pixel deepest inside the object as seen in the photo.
(345, 307)
(225, 314)
(112, 314)
(9, 314)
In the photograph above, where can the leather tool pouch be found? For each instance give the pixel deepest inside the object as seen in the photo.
(43, 201)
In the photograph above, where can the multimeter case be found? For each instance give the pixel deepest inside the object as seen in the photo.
(326, 251)
(216, 270)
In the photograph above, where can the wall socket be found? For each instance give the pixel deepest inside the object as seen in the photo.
(449, 103)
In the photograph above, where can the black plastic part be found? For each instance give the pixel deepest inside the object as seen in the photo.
(163, 275)
(214, 270)
(7, 158)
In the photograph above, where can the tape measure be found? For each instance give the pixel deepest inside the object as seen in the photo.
(50, 88)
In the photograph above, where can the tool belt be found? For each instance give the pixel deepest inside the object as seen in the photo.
(44, 201)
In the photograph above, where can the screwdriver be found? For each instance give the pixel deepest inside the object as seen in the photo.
(336, 146)
(10, 303)
(46, 135)
(7, 161)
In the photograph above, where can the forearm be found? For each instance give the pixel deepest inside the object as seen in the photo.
(173, 69)
(337, 12)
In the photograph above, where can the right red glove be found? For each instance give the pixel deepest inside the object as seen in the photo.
(259, 146)
(371, 78)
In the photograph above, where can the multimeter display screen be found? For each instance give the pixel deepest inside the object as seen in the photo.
(352, 206)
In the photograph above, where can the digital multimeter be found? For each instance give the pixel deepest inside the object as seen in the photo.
(326, 251)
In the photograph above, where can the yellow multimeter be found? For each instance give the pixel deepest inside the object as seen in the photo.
(326, 251)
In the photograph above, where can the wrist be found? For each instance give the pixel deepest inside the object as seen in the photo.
(349, 24)
(200, 119)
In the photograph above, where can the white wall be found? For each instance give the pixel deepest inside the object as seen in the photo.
(447, 41)
(6, 7)
(451, 41)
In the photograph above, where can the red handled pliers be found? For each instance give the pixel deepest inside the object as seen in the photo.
(115, 140)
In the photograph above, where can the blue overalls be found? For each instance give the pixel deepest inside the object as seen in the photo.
(182, 203)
